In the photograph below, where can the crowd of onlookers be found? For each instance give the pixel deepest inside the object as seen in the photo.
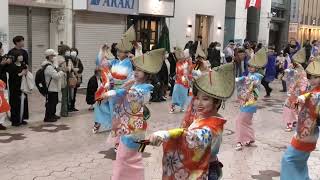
(240, 54)
(61, 75)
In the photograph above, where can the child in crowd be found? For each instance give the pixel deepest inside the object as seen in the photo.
(183, 76)
(92, 87)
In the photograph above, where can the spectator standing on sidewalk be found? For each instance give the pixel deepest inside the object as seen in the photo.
(229, 51)
(214, 54)
(65, 65)
(18, 41)
(92, 87)
(52, 77)
(17, 69)
(77, 69)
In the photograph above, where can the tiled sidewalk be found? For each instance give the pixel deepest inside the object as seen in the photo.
(68, 149)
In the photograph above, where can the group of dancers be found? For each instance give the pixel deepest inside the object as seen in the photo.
(191, 150)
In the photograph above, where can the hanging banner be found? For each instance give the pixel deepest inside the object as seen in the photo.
(253, 3)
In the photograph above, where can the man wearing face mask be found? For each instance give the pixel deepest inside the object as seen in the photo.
(229, 51)
(77, 70)
(52, 77)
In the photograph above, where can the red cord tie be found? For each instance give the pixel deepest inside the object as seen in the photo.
(143, 58)
(210, 77)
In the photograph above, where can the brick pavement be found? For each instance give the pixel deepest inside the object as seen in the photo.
(68, 149)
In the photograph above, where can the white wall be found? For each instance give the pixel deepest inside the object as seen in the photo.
(264, 26)
(241, 20)
(4, 24)
(62, 31)
(156, 7)
(185, 13)
(80, 4)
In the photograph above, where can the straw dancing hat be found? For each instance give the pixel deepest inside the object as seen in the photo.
(260, 59)
(127, 39)
(150, 62)
(314, 68)
(300, 56)
(218, 83)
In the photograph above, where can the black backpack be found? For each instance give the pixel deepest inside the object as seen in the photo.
(40, 81)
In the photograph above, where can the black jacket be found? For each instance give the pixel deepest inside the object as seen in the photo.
(214, 57)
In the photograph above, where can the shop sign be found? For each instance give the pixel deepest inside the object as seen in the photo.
(114, 6)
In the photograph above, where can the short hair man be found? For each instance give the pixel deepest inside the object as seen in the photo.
(18, 41)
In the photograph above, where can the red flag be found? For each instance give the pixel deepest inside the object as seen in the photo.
(253, 3)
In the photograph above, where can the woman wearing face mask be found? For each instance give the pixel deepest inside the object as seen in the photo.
(77, 69)
(64, 64)
(16, 70)
(214, 55)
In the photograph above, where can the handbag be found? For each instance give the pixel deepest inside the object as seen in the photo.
(78, 75)
(72, 81)
(27, 83)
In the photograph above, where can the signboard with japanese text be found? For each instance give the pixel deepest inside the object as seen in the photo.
(114, 6)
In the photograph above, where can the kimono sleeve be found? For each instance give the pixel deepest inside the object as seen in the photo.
(195, 138)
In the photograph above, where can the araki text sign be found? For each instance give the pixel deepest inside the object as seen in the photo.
(114, 6)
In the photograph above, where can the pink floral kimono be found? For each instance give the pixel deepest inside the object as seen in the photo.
(297, 84)
(129, 124)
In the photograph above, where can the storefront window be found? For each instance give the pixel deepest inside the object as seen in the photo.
(147, 29)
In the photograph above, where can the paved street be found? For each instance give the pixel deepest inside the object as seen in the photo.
(68, 150)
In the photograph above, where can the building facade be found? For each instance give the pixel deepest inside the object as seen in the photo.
(36, 21)
(279, 23)
(194, 18)
(267, 25)
(88, 24)
(97, 22)
(305, 20)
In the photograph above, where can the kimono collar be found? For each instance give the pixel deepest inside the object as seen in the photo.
(213, 122)
(316, 89)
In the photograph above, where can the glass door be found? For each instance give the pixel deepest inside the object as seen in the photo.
(147, 29)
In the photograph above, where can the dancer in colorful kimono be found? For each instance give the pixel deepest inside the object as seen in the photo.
(297, 84)
(294, 161)
(121, 71)
(4, 105)
(201, 65)
(129, 119)
(183, 77)
(188, 151)
(248, 93)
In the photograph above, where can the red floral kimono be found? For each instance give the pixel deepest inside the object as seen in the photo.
(187, 152)
(4, 105)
